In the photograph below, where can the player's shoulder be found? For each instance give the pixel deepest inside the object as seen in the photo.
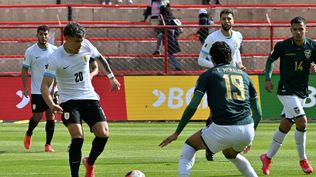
(52, 46)
(31, 48)
(57, 52)
(310, 42)
(283, 44)
(87, 45)
(237, 34)
(212, 37)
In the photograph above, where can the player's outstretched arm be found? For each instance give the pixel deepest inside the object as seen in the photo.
(115, 85)
(186, 116)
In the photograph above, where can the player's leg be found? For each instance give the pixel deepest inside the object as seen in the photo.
(289, 103)
(279, 136)
(75, 155)
(187, 157)
(101, 132)
(300, 140)
(240, 137)
(37, 114)
(72, 120)
(95, 118)
(33, 122)
(208, 154)
(49, 128)
(240, 162)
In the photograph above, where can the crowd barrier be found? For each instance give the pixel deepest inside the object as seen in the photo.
(129, 48)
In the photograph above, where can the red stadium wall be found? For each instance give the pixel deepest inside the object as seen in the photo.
(16, 107)
(140, 98)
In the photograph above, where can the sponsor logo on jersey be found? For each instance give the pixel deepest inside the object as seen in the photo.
(86, 58)
(308, 53)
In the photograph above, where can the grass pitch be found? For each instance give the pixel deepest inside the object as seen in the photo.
(135, 146)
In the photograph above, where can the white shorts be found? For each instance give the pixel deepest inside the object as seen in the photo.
(219, 137)
(292, 106)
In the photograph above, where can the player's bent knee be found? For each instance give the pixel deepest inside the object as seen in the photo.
(101, 129)
(229, 153)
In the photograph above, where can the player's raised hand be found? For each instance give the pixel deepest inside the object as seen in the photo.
(169, 139)
(269, 86)
(115, 85)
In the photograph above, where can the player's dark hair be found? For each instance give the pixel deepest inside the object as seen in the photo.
(42, 28)
(73, 29)
(226, 11)
(298, 19)
(221, 53)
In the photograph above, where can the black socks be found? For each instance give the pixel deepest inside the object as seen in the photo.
(75, 156)
(50, 127)
(32, 125)
(98, 145)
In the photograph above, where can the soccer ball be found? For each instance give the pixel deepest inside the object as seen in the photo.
(135, 173)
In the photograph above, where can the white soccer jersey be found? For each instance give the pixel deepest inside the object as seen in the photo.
(36, 59)
(72, 72)
(234, 42)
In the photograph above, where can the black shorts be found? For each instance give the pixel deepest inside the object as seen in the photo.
(76, 111)
(38, 103)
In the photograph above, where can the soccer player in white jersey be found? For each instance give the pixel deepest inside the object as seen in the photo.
(232, 38)
(36, 60)
(226, 34)
(69, 64)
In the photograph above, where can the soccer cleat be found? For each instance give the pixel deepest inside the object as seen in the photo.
(49, 148)
(306, 166)
(27, 141)
(266, 162)
(209, 155)
(89, 169)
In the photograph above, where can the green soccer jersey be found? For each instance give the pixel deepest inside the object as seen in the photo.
(294, 66)
(229, 91)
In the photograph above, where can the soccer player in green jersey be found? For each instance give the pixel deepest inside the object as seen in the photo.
(297, 55)
(232, 97)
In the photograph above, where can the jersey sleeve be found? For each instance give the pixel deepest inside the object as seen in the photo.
(238, 55)
(27, 59)
(201, 83)
(52, 66)
(204, 57)
(94, 51)
(276, 52)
